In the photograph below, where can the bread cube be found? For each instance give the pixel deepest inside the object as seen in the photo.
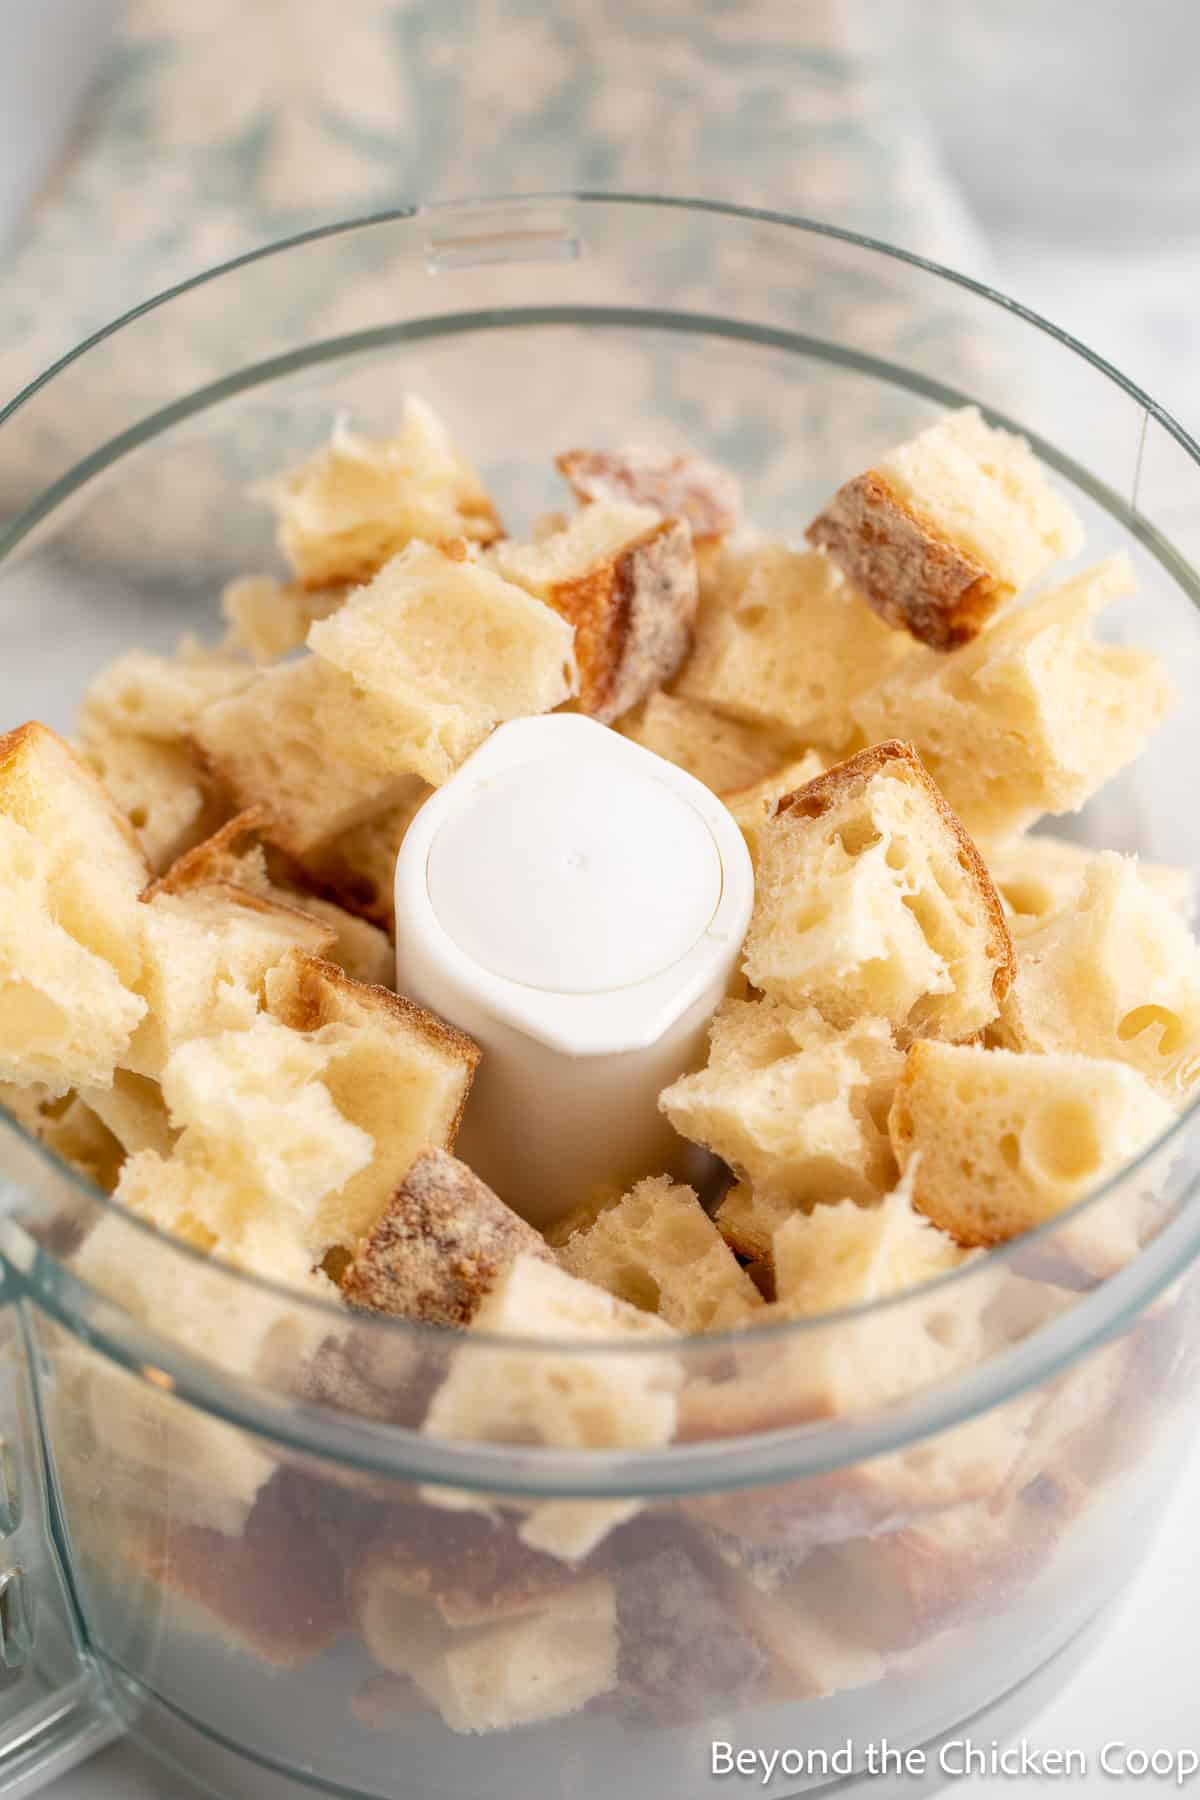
(751, 806)
(205, 953)
(658, 1250)
(544, 1666)
(872, 901)
(268, 619)
(360, 500)
(625, 579)
(310, 749)
(1037, 877)
(396, 1071)
(947, 528)
(450, 650)
(684, 1653)
(796, 1106)
(159, 697)
(786, 642)
(1116, 974)
(1032, 717)
(160, 788)
(675, 484)
(358, 866)
(235, 855)
(68, 1127)
(66, 1018)
(93, 862)
(721, 752)
(1001, 1143)
(438, 1246)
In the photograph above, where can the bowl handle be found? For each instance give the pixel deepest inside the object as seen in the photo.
(54, 1710)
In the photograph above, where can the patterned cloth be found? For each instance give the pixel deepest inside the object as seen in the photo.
(225, 124)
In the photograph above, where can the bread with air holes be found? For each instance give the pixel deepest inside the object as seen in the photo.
(1033, 716)
(796, 1106)
(235, 855)
(945, 529)
(1040, 876)
(134, 1111)
(437, 1247)
(659, 1250)
(1115, 974)
(721, 752)
(398, 1072)
(360, 500)
(161, 788)
(625, 579)
(268, 619)
(205, 953)
(871, 900)
(783, 641)
(675, 484)
(1000, 1143)
(159, 697)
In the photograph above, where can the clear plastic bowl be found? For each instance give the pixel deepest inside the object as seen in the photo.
(233, 1540)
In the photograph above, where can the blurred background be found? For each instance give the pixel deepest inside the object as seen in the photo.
(1050, 149)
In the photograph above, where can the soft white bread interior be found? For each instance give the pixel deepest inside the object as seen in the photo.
(625, 579)
(1115, 974)
(159, 697)
(205, 952)
(871, 900)
(1039, 876)
(268, 619)
(783, 640)
(947, 527)
(68, 1127)
(134, 1112)
(359, 500)
(162, 790)
(396, 1071)
(658, 1250)
(721, 752)
(1000, 1143)
(676, 484)
(1032, 717)
(752, 805)
(796, 1106)
(451, 649)
(438, 1246)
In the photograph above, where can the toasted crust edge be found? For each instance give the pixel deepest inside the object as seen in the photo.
(27, 737)
(195, 867)
(852, 776)
(907, 570)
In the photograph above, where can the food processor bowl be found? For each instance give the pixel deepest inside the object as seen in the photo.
(245, 1540)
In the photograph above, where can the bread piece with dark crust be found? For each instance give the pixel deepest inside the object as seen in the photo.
(438, 1245)
(677, 484)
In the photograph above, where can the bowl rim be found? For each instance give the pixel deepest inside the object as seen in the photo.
(1093, 1318)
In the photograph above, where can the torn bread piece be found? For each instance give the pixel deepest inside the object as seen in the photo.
(205, 953)
(158, 697)
(796, 1106)
(684, 1654)
(1000, 1143)
(357, 867)
(235, 855)
(676, 484)
(784, 641)
(1115, 974)
(754, 804)
(398, 1072)
(625, 579)
(721, 752)
(134, 1111)
(947, 528)
(68, 1127)
(658, 1250)
(1038, 877)
(268, 619)
(66, 1018)
(438, 1246)
(359, 500)
(625, 1399)
(93, 862)
(161, 789)
(1032, 717)
(871, 900)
